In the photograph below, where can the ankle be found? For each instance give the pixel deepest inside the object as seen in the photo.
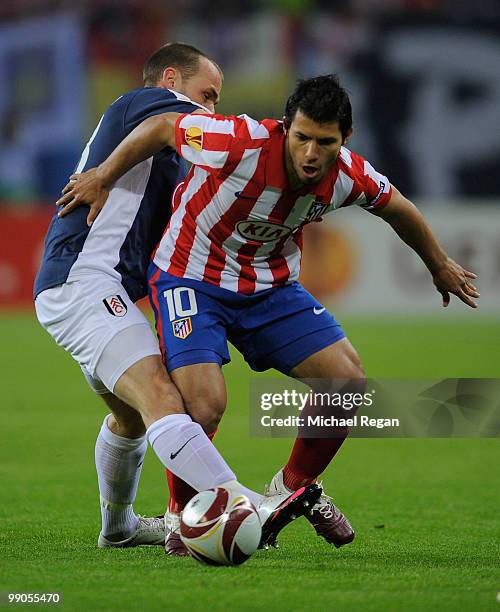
(294, 481)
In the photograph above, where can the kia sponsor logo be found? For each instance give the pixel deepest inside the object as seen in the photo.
(262, 231)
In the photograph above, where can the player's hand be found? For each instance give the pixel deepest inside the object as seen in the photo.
(452, 278)
(84, 189)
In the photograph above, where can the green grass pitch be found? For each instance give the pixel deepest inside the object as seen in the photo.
(438, 500)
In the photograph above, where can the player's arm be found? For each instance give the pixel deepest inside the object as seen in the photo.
(92, 187)
(410, 225)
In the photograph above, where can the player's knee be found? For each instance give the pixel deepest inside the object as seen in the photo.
(356, 370)
(147, 387)
(207, 410)
(204, 394)
(351, 366)
(356, 380)
(165, 397)
(158, 397)
(208, 416)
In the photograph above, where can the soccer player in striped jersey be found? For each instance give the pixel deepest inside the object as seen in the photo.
(85, 293)
(228, 263)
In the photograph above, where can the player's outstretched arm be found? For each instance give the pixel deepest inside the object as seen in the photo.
(412, 228)
(92, 187)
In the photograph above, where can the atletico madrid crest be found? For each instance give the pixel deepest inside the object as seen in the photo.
(316, 210)
(182, 328)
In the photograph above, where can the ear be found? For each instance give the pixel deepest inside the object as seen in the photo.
(169, 78)
(284, 125)
(348, 135)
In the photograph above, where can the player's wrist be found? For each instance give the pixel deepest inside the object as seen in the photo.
(105, 176)
(437, 263)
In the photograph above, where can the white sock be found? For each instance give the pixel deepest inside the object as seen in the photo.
(118, 462)
(184, 448)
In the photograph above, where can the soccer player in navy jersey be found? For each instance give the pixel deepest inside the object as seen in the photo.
(228, 263)
(90, 277)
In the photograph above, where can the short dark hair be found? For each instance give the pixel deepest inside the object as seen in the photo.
(185, 58)
(321, 99)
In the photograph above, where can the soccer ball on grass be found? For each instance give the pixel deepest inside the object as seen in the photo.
(220, 527)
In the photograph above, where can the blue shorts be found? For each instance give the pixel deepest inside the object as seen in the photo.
(277, 328)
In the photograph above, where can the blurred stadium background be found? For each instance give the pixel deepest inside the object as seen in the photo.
(425, 83)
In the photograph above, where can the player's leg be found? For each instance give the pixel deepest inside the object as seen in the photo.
(194, 347)
(107, 334)
(203, 390)
(183, 447)
(275, 511)
(84, 327)
(297, 336)
(310, 456)
(122, 444)
(179, 442)
(119, 455)
(158, 404)
(191, 324)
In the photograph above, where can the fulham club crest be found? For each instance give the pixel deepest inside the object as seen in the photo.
(115, 305)
(182, 328)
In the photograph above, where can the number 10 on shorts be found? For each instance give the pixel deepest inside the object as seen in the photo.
(181, 302)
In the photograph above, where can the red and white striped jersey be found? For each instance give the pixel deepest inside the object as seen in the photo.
(235, 222)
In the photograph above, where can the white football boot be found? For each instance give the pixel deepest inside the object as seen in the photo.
(278, 508)
(149, 532)
(327, 520)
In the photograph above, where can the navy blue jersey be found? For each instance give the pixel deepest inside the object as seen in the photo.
(123, 236)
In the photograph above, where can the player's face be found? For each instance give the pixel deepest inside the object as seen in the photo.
(310, 149)
(204, 87)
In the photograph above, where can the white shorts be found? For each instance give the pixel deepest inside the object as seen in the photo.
(94, 319)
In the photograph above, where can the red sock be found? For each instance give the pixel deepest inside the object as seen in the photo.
(180, 491)
(309, 458)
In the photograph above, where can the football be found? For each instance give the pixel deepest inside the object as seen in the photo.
(220, 527)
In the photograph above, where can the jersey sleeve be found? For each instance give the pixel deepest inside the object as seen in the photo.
(150, 101)
(367, 188)
(217, 143)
